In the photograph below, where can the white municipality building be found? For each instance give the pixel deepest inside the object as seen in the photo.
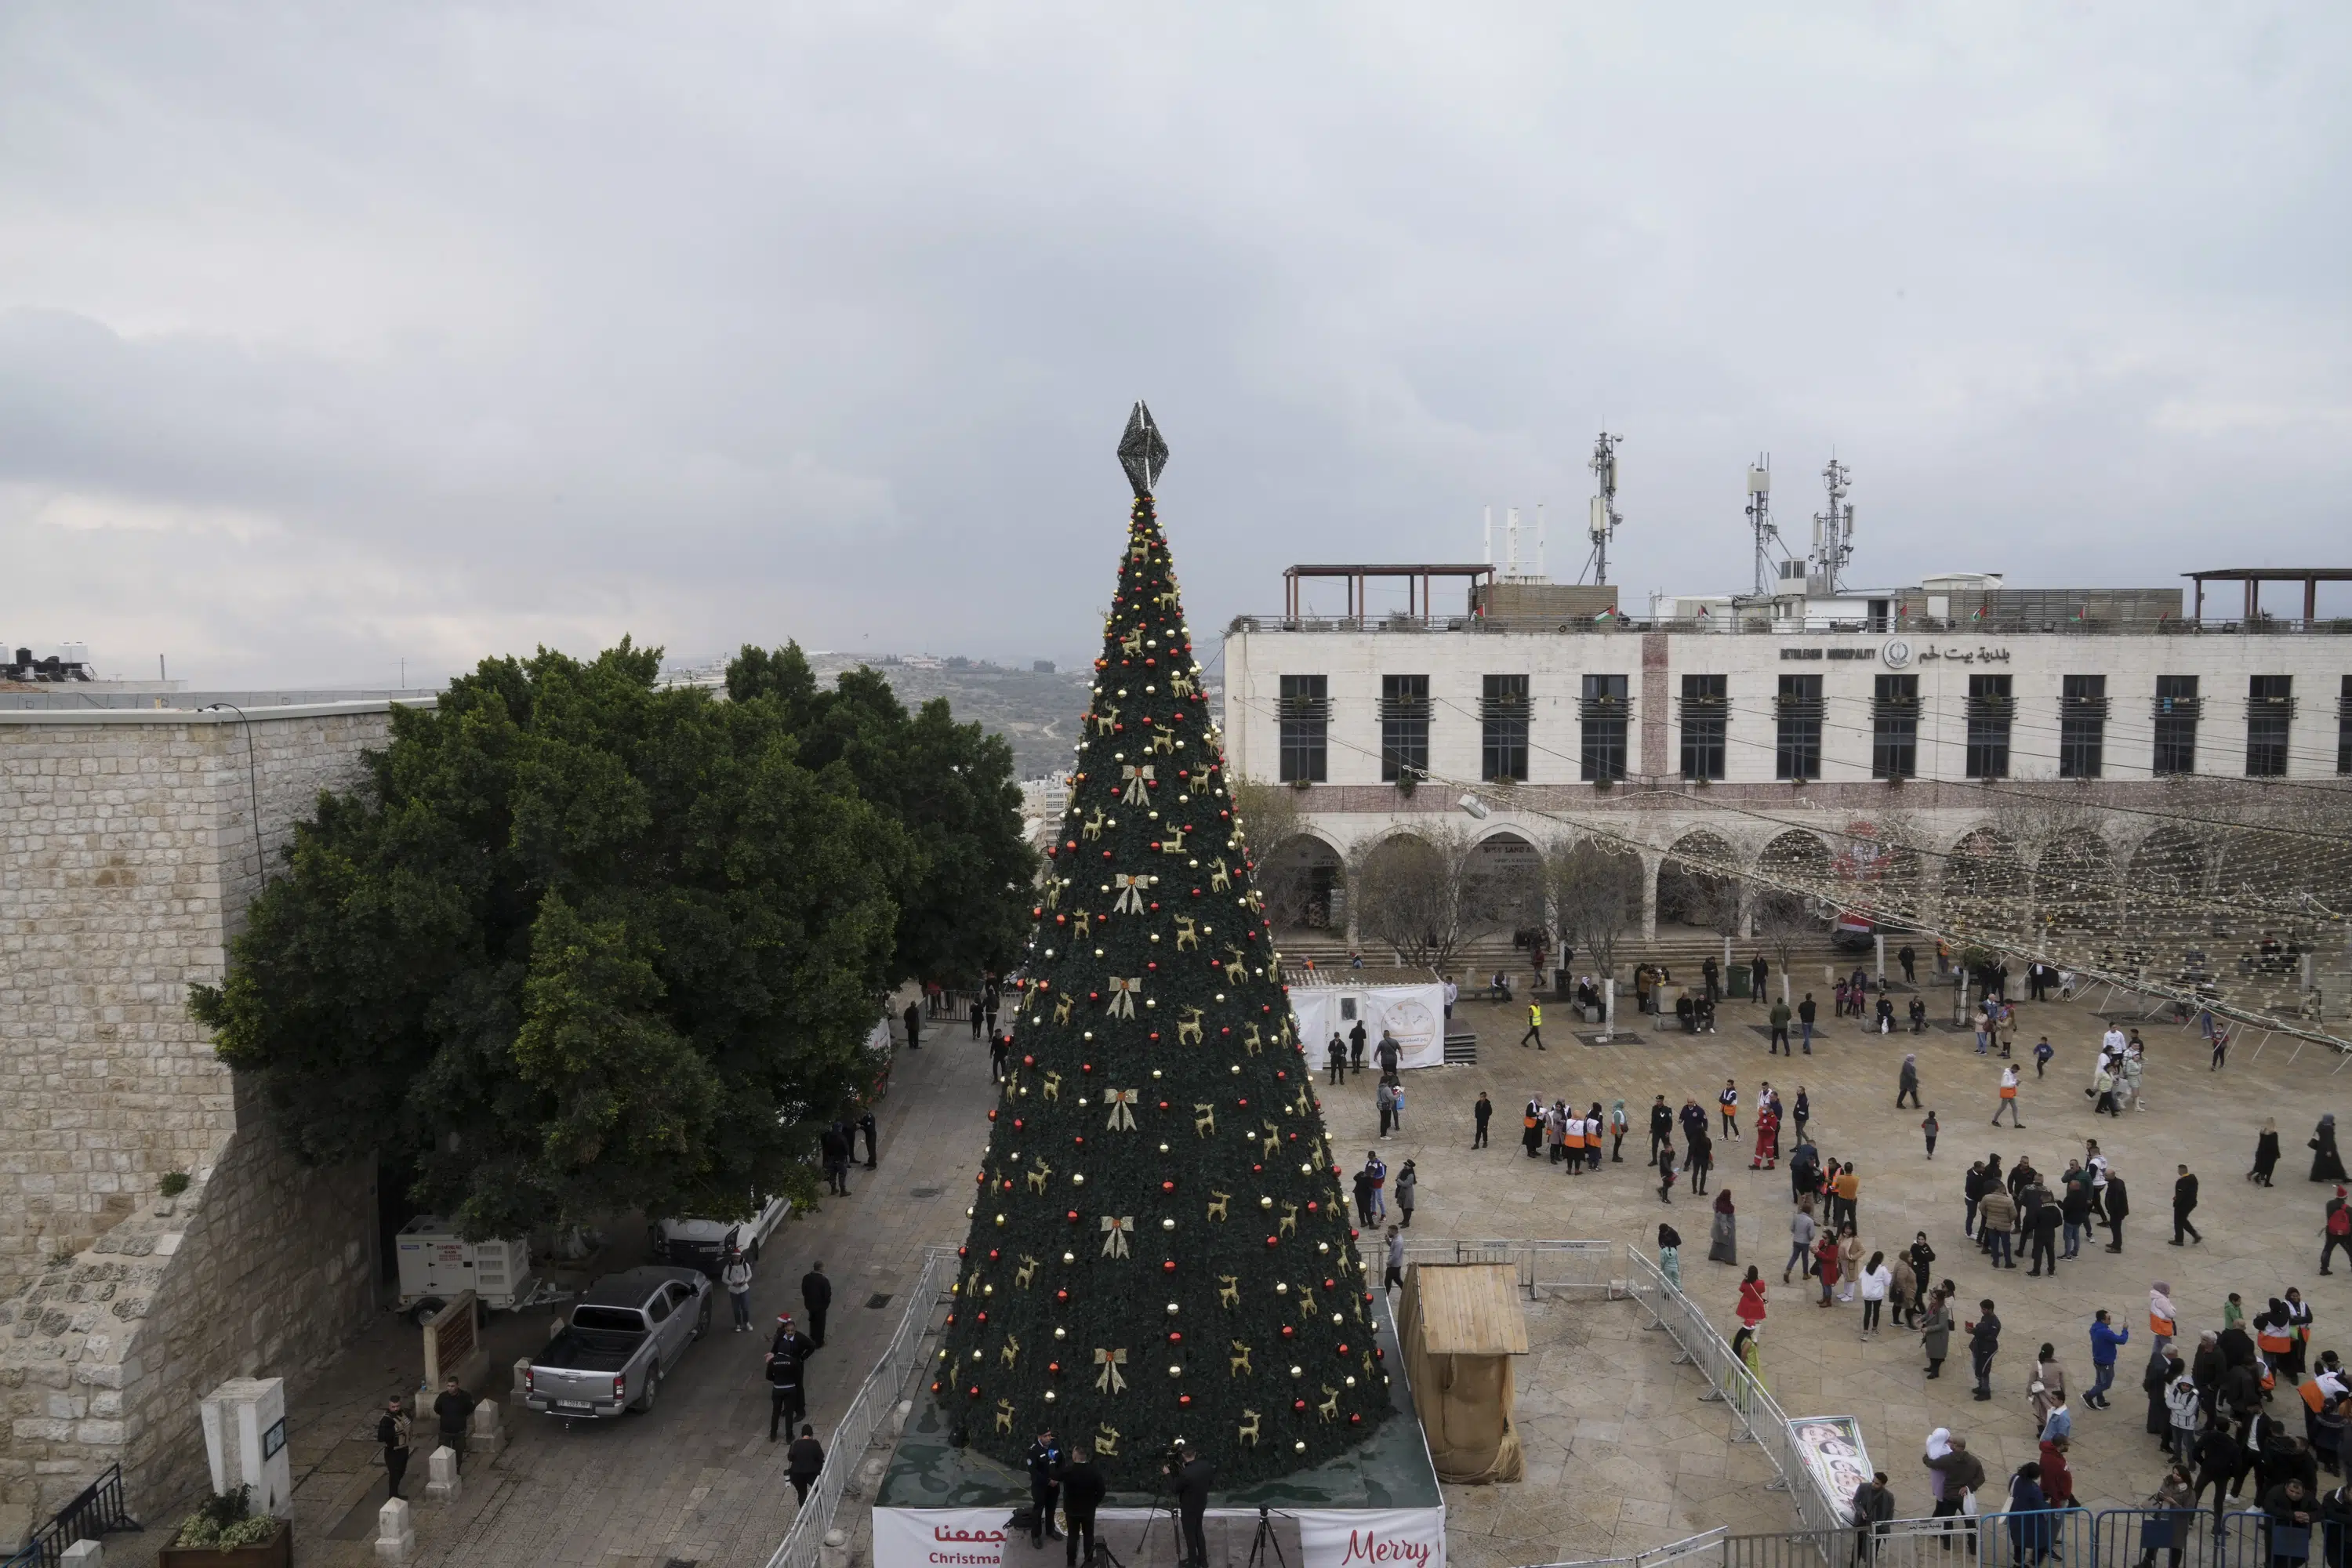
(1780, 723)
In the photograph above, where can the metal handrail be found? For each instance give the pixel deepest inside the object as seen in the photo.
(100, 1508)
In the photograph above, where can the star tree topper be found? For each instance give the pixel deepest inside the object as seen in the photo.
(1141, 452)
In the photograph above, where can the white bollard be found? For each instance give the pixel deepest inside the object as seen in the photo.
(83, 1554)
(484, 1436)
(834, 1550)
(520, 1393)
(395, 1532)
(444, 1485)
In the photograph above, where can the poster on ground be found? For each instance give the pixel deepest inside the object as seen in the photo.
(1834, 1455)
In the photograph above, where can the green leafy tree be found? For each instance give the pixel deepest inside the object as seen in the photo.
(964, 909)
(579, 944)
(1161, 1248)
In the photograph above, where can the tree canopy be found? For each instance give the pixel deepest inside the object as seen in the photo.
(583, 945)
(965, 909)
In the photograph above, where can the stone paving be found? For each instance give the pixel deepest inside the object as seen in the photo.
(1621, 1454)
(1621, 1451)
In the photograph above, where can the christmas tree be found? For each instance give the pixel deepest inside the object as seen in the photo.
(1160, 1248)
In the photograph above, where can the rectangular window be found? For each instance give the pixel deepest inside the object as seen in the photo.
(1603, 712)
(1991, 710)
(2081, 726)
(1796, 748)
(1895, 727)
(2344, 727)
(2177, 707)
(1304, 712)
(1503, 713)
(1706, 711)
(2270, 709)
(1405, 727)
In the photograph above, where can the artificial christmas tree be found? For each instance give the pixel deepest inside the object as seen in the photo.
(1159, 1246)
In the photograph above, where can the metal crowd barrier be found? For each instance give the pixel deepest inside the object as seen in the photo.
(855, 1430)
(1705, 1548)
(97, 1510)
(1545, 1267)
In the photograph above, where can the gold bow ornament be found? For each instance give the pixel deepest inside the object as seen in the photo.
(1130, 892)
(1110, 1382)
(1122, 1103)
(1123, 992)
(1115, 1229)
(1137, 779)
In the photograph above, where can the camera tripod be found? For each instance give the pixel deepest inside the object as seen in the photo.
(1265, 1539)
(1163, 1505)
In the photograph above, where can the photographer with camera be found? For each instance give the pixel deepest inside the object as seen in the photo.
(1191, 1476)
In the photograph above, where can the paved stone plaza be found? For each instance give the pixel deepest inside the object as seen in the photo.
(1622, 1453)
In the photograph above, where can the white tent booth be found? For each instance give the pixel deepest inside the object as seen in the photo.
(1410, 1004)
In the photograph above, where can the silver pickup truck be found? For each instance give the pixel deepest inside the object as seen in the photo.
(626, 1331)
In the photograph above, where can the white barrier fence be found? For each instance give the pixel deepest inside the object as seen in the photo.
(875, 1398)
(1585, 1268)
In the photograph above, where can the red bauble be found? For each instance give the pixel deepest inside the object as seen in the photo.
(1167, 1186)
(1184, 1400)
(1295, 1404)
(1074, 1216)
(1343, 1350)
(1273, 1241)
(1287, 1331)
(1168, 1266)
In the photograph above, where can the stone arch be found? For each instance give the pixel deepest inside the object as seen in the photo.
(2074, 889)
(1506, 880)
(1805, 867)
(1694, 888)
(1304, 880)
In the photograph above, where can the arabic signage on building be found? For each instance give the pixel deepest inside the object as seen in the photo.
(1329, 1538)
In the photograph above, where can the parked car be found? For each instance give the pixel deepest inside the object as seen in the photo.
(693, 1243)
(628, 1331)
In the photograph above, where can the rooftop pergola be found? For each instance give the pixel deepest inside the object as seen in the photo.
(1354, 576)
(2253, 577)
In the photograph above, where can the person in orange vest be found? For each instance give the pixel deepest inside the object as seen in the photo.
(2275, 1335)
(2163, 1318)
(1572, 1142)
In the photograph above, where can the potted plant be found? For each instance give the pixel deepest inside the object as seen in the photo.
(227, 1533)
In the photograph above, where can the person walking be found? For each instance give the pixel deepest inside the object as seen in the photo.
(2163, 1316)
(804, 1462)
(1802, 1231)
(2326, 1164)
(1873, 1505)
(1408, 1185)
(1335, 1061)
(1393, 1277)
(2184, 1204)
(816, 1295)
(1722, 1237)
(1960, 1473)
(1807, 1011)
(1000, 1055)
(1481, 1113)
(737, 1278)
(2008, 1096)
(1876, 1281)
(1388, 1053)
(1907, 1082)
(913, 1016)
(1936, 1332)
(1356, 1037)
(392, 1430)
(2029, 1523)
(1666, 1173)
(2106, 1340)
(1662, 1127)
(2335, 1230)
(1779, 1043)
(1828, 1250)
(1670, 1254)
(833, 1153)
(1384, 1101)
(1751, 1310)
(1698, 1160)
(1619, 1125)
(1728, 1104)
(1535, 1026)
(2266, 1154)
(1083, 1489)
(453, 1410)
(787, 1395)
(1801, 1112)
(1905, 956)
(1759, 972)
(1984, 1343)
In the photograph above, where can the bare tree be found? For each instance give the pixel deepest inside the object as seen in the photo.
(1423, 896)
(1784, 922)
(1269, 818)
(1595, 888)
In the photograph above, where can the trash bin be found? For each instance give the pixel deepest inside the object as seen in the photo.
(1740, 977)
(1560, 984)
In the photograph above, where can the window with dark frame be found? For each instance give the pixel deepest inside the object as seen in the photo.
(1405, 727)
(2178, 709)
(1304, 714)
(2344, 727)
(2270, 714)
(2081, 726)
(1991, 711)
(1895, 727)
(1797, 716)
(1601, 755)
(1706, 716)
(1503, 711)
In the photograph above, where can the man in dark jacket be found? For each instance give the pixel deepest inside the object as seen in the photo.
(1480, 1114)
(1193, 1477)
(2118, 1204)
(2074, 1208)
(788, 1353)
(2045, 1237)
(1662, 1128)
(392, 1431)
(2289, 1507)
(1082, 1494)
(453, 1410)
(1873, 1505)
(1984, 1343)
(2217, 1458)
(1044, 1465)
(2184, 1204)
(1963, 1472)
(803, 1461)
(832, 1153)
(866, 1124)
(816, 1295)
(914, 1017)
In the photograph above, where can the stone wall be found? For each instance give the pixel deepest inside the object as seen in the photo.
(128, 850)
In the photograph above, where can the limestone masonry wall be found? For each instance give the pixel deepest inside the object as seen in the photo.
(128, 852)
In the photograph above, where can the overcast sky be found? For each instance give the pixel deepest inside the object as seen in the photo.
(335, 335)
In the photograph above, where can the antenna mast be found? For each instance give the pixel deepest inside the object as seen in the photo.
(1759, 518)
(1833, 530)
(1602, 527)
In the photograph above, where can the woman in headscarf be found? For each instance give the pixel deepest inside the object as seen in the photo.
(2266, 1154)
(2047, 1389)
(2326, 1164)
(1531, 1131)
(1935, 1334)
(1723, 1240)
(1940, 1443)
(2163, 1318)
(2028, 1526)
(1670, 1254)
(1747, 1378)
(2274, 1336)
(1751, 1310)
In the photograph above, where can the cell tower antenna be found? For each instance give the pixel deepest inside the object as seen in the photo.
(1603, 526)
(1833, 528)
(1759, 518)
